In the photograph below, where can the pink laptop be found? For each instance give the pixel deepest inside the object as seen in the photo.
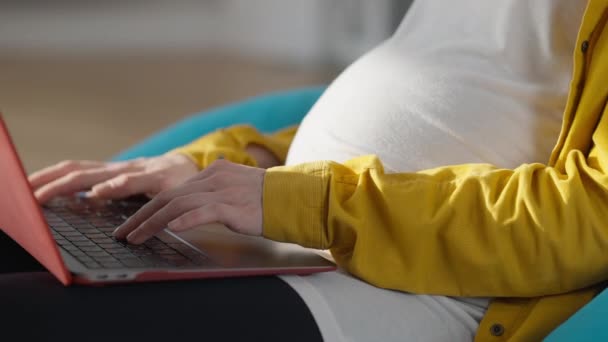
(72, 238)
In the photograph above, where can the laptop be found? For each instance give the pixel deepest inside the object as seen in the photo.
(72, 238)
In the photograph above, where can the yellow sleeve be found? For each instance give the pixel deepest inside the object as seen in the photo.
(467, 230)
(230, 144)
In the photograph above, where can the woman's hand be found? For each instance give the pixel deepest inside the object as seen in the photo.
(223, 192)
(114, 179)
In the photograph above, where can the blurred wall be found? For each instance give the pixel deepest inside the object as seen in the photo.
(83, 79)
(292, 31)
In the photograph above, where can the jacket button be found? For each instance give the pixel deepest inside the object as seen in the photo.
(497, 329)
(585, 46)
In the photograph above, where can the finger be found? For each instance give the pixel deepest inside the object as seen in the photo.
(78, 181)
(203, 186)
(159, 220)
(126, 185)
(208, 213)
(51, 173)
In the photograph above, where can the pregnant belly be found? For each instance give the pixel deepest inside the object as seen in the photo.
(417, 116)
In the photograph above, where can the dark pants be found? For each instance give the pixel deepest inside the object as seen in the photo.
(35, 306)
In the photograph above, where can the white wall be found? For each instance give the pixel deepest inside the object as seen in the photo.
(293, 31)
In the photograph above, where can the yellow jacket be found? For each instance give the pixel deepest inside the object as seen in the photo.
(535, 238)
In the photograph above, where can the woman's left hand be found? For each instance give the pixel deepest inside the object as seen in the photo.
(223, 192)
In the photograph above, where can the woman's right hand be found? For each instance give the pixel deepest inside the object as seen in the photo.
(112, 180)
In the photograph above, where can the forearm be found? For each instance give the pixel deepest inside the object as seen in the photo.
(240, 144)
(469, 230)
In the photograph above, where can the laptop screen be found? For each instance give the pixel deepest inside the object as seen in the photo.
(20, 214)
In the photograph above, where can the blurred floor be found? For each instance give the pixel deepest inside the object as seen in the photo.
(90, 108)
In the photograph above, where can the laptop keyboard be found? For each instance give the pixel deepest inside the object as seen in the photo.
(83, 228)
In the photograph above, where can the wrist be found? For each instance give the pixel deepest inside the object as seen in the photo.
(183, 160)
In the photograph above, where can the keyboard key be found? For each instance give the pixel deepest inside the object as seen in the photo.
(86, 231)
(84, 244)
(116, 250)
(77, 238)
(77, 253)
(111, 245)
(62, 241)
(70, 247)
(63, 229)
(108, 244)
(71, 233)
(107, 230)
(85, 258)
(98, 254)
(106, 225)
(83, 225)
(97, 235)
(104, 240)
(92, 248)
(75, 221)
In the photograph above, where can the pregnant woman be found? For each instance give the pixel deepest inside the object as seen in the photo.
(452, 172)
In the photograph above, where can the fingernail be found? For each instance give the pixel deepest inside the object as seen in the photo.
(98, 189)
(172, 225)
(132, 238)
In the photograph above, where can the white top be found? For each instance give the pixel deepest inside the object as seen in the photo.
(459, 82)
